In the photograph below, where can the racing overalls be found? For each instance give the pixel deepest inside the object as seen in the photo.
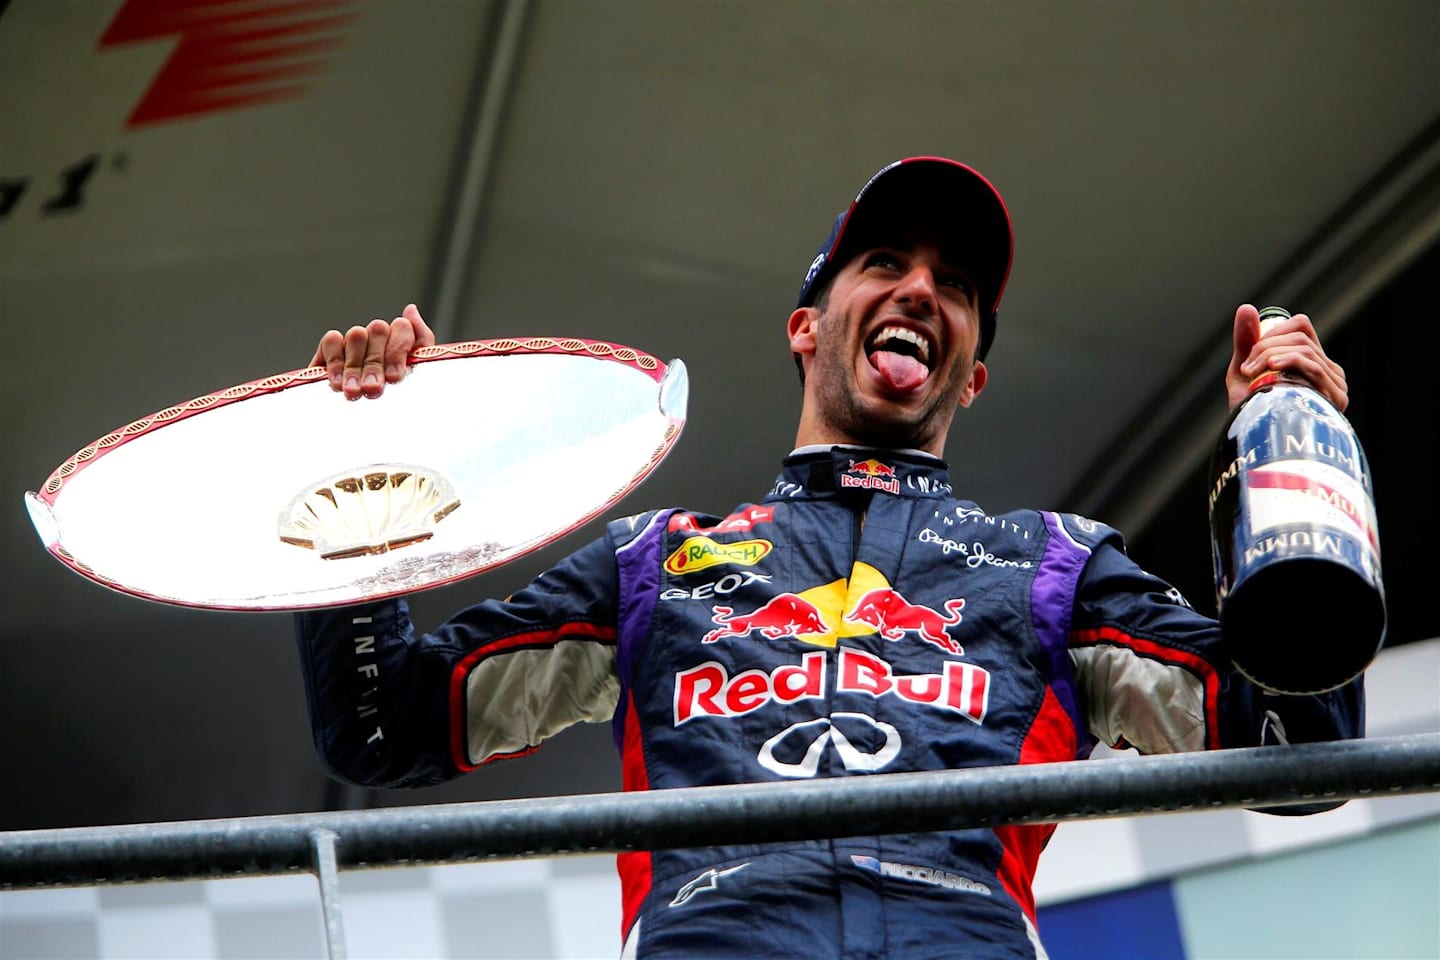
(858, 620)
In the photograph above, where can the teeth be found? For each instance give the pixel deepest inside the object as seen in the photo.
(922, 346)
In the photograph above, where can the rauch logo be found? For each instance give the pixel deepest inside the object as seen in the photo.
(700, 553)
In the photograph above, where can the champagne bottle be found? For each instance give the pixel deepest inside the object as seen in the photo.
(1295, 545)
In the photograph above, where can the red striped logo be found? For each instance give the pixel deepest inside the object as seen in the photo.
(228, 55)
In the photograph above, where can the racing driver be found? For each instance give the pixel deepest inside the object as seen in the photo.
(859, 618)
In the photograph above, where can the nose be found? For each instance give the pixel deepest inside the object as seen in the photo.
(917, 288)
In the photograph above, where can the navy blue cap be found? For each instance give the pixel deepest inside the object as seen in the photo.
(961, 208)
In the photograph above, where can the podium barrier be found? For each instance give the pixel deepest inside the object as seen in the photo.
(324, 843)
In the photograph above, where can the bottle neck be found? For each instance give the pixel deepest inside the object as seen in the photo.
(1277, 377)
(1269, 317)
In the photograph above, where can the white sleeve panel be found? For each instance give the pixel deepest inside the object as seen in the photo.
(514, 701)
(1156, 707)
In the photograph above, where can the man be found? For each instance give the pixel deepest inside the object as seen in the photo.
(859, 619)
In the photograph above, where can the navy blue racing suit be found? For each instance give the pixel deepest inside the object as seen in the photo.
(858, 620)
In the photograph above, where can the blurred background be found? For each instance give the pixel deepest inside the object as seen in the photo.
(192, 191)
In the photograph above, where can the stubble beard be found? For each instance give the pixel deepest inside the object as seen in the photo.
(871, 421)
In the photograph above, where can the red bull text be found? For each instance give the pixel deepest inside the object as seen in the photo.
(870, 475)
(708, 690)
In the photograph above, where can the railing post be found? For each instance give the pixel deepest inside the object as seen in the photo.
(327, 871)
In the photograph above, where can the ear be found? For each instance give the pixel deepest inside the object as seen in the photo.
(978, 376)
(801, 331)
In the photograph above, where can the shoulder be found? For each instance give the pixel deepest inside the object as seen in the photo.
(624, 529)
(627, 530)
(1033, 524)
(1084, 532)
(1042, 532)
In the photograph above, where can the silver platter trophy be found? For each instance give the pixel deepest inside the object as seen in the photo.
(279, 495)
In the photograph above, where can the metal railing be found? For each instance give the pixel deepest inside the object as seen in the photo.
(324, 843)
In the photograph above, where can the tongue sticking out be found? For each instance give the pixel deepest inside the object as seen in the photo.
(900, 372)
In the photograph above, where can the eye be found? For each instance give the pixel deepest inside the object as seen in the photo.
(882, 259)
(959, 283)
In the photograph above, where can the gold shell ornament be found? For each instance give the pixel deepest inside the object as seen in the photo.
(374, 510)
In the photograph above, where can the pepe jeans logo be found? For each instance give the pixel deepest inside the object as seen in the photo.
(700, 553)
(976, 554)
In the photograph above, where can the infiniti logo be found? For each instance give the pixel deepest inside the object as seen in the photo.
(821, 733)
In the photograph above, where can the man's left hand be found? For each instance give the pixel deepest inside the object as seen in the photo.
(1290, 345)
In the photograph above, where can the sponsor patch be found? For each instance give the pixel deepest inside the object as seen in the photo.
(821, 615)
(708, 690)
(785, 615)
(815, 737)
(976, 554)
(701, 553)
(741, 522)
(933, 876)
(709, 880)
(973, 515)
(870, 475)
(724, 586)
(892, 616)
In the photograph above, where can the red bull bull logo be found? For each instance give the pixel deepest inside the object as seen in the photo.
(700, 553)
(893, 617)
(786, 615)
(870, 475)
(823, 615)
(708, 690)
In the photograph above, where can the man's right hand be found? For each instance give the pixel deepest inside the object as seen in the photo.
(362, 360)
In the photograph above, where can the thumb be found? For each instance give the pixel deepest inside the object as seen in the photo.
(1247, 331)
(424, 336)
(1246, 336)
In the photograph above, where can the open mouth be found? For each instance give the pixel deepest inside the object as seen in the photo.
(900, 355)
